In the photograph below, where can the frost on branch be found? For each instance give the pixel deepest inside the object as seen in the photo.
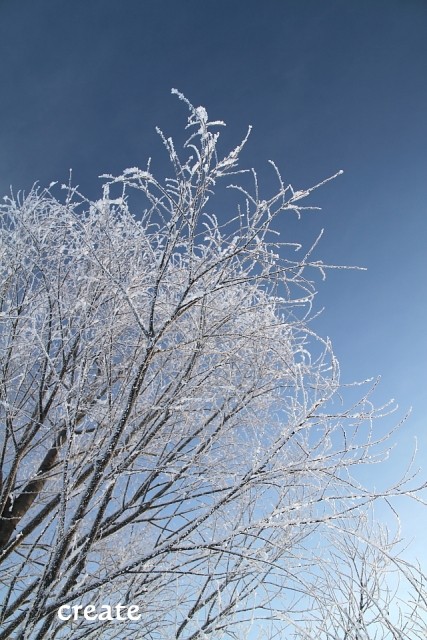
(173, 433)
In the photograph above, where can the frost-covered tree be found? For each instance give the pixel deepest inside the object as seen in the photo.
(173, 433)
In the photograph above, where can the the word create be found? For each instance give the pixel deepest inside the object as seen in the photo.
(106, 612)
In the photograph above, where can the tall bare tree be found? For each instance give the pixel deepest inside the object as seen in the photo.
(172, 429)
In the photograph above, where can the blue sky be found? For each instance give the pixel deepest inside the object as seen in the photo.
(326, 85)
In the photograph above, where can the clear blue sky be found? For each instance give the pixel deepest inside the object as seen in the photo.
(327, 85)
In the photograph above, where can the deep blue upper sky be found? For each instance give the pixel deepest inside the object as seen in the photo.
(327, 85)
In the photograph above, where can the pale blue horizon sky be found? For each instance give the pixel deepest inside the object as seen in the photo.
(326, 85)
